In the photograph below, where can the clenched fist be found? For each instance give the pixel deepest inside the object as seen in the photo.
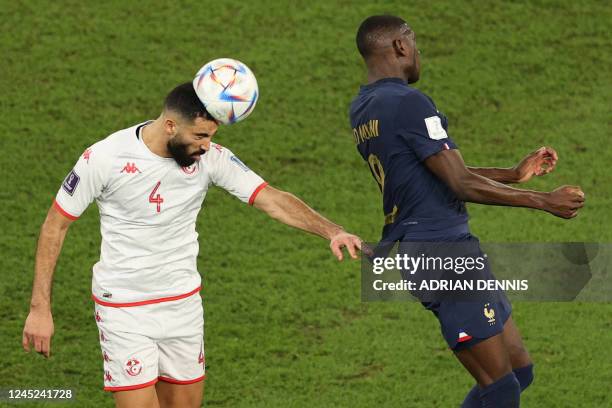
(565, 201)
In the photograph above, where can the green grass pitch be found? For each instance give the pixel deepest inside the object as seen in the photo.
(284, 322)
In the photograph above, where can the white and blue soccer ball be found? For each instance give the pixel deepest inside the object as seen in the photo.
(228, 89)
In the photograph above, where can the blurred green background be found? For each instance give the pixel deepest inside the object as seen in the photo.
(284, 321)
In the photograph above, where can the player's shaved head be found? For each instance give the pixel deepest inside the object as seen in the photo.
(376, 32)
(184, 101)
(388, 47)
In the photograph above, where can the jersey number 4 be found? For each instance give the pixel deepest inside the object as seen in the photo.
(156, 199)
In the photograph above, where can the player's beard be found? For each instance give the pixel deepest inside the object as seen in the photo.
(179, 152)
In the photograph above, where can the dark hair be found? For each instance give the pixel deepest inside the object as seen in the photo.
(376, 28)
(183, 100)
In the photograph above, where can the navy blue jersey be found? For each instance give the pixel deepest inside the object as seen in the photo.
(397, 127)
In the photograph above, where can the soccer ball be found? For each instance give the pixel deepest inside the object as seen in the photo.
(228, 89)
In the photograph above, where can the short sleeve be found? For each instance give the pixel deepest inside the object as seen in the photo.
(422, 127)
(83, 184)
(234, 176)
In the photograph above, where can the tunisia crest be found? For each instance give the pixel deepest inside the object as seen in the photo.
(133, 367)
(189, 170)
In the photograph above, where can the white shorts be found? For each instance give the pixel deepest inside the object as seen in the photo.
(156, 342)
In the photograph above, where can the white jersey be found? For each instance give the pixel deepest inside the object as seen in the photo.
(148, 208)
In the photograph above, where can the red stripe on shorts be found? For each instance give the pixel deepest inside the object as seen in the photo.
(131, 387)
(183, 382)
(146, 302)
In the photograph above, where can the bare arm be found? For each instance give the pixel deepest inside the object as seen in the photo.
(501, 175)
(290, 210)
(537, 163)
(38, 328)
(448, 165)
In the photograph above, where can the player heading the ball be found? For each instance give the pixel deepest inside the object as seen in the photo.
(149, 181)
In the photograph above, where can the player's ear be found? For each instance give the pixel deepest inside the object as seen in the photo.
(400, 48)
(170, 126)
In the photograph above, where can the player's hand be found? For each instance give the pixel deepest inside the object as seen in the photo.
(38, 331)
(343, 239)
(565, 201)
(537, 163)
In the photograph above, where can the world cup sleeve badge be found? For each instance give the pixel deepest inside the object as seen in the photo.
(71, 182)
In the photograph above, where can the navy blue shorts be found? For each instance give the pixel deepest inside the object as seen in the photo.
(466, 322)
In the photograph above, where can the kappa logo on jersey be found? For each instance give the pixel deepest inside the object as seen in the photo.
(86, 154)
(107, 376)
(130, 168)
(239, 163)
(102, 336)
(189, 170)
(489, 314)
(106, 357)
(218, 147)
(98, 317)
(201, 358)
(133, 367)
(71, 182)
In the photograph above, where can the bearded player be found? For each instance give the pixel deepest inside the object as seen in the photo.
(149, 182)
(425, 183)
